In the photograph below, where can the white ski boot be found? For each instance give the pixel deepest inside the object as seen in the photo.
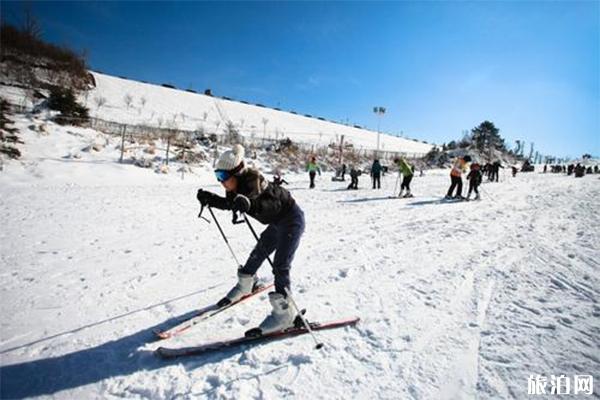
(243, 288)
(477, 196)
(400, 194)
(408, 194)
(282, 316)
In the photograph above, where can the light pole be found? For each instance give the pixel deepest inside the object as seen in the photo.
(265, 121)
(379, 111)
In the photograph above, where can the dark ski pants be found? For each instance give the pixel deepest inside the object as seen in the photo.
(353, 183)
(312, 175)
(406, 182)
(456, 183)
(377, 181)
(473, 187)
(282, 238)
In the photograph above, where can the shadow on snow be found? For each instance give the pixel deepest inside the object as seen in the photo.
(361, 200)
(112, 359)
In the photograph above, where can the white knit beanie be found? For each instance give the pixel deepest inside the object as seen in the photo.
(231, 159)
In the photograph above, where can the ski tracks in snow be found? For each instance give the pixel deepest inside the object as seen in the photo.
(456, 300)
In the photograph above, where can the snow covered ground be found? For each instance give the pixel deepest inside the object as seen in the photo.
(457, 300)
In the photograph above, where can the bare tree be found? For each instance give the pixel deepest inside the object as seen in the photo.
(99, 101)
(128, 99)
(143, 101)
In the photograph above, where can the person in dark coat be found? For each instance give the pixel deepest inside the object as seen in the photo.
(278, 179)
(579, 171)
(247, 191)
(487, 170)
(495, 171)
(474, 177)
(354, 173)
(376, 174)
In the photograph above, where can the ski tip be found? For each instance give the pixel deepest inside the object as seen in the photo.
(253, 333)
(161, 335)
(319, 346)
(162, 352)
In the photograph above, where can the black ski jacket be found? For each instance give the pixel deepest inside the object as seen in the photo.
(268, 203)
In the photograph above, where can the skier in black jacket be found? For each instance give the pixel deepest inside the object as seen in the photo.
(247, 191)
(474, 178)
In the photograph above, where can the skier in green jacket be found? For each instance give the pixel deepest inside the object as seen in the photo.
(312, 167)
(407, 173)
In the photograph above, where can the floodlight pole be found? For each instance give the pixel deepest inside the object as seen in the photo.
(379, 111)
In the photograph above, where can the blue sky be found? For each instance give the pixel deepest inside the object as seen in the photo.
(532, 68)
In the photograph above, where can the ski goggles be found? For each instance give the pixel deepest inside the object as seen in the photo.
(222, 175)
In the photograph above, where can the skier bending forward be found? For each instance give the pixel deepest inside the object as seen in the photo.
(247, 191)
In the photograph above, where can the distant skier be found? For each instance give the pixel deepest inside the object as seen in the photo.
(514, 170)
(487, 170)
(495, 171)
(376, 174)
(474, 177)
(312, 167)
(407, 174)
(278, 179)
(343, 171)
(247, 191)
(458, 168)
(545, 168)
(354, 173)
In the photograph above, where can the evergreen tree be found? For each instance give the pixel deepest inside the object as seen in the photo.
(487, 137)
(63, 100)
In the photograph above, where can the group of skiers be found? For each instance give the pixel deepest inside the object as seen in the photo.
(249, 193)
(475, 177)
(492, 170)
(578, 169)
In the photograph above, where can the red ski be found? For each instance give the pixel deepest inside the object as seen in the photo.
(204, 314)
(298, 329)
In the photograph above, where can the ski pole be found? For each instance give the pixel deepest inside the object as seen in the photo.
(396, 184)
(486, 193)
(319, 345)
(223, 234)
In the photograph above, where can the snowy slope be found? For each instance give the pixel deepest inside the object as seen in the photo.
(190, 111)
(456, 300)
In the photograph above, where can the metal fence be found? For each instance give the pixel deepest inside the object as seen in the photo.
(136, 131)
